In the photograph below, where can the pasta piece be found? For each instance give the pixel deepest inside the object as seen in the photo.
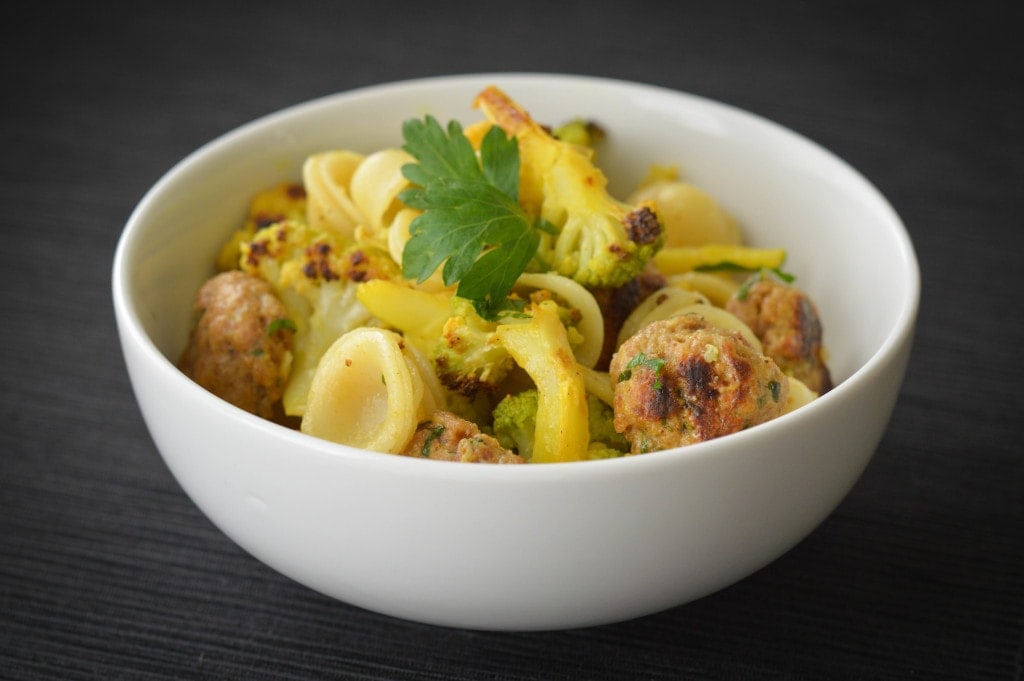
(329, 205)
(799, 395)
(375, 187)
(574, 295)
(687, 258)
(541, 347)
(419, 315)
(599, 384)
(724, 319)
(435, 397)
(662, 304)
(367, 393)
(718, 288)
(398, 235)
(689, 215)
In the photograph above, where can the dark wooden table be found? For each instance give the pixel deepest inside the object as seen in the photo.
(108, 571)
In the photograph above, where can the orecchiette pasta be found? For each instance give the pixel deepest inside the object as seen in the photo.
(329, 206)
(375, 186)
(575, 296)
(690, 215)
(662, 304)
(367, 392)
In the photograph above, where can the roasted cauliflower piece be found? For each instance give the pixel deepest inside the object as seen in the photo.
(600, 240)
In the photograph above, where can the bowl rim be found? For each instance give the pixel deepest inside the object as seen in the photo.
(132, 329)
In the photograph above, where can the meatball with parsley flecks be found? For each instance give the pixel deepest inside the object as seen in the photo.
(683, 380)
(447, 437)
(240, 346)
(786, 321)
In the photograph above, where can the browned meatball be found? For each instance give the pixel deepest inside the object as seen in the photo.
(786, 321)
(447, 437)
(240, 345)
(682, 380)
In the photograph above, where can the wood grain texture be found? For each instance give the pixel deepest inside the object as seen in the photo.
(108, 571)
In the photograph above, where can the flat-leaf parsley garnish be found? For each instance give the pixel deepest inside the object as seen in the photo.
(472, 221)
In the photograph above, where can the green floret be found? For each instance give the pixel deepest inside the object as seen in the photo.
(601, 242)
(515, 421)
(468, 356)
(316, 276)
(605, 441)
(595, 238)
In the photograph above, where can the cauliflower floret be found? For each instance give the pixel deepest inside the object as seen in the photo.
(285, 201)
(461, 344)
(316, 275)
(600, 240)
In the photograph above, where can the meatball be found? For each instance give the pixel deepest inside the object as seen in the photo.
(786, 321)
(447, 437)
(682, 380)
(240, 346)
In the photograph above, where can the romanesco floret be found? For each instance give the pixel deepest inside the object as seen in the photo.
(515, 423)
(316, 276)
(605, 441)
(600, 240)
(447, 329)
(469, 357)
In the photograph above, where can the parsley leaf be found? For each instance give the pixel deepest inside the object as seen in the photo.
(472, 222)
(655, 364)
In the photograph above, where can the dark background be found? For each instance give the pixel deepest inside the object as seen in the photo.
(108, 571)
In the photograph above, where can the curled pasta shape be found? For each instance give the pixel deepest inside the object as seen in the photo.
(671, 302)
(662, 304)
(599, 384)
(375, 187)
(367, 392)
(398, 235)
(541, 348)
(573, 294)
(715, 287)
(435, 397)
(689, 215)
(724, 319)
(398, 232)
(799, 395)
(329, 205)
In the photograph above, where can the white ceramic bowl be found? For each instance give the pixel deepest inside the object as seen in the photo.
(537, 546)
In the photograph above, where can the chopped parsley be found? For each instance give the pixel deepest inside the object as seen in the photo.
(434, 433)
(655, 364)
(744, 289)
(279, 324)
